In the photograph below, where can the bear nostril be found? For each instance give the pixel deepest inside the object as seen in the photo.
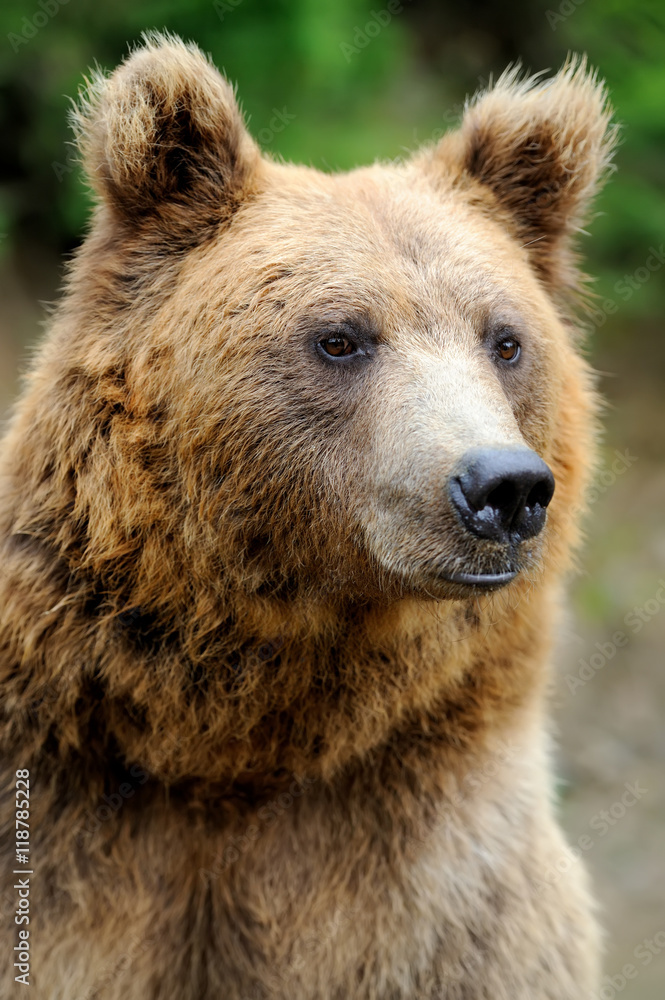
(502, 497)
(540, 494)
(501, 493)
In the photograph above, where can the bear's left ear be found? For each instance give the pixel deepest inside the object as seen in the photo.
(534, 152)
(163, 140)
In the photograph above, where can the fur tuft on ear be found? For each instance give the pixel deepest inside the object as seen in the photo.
(541, 148)
(163, 138)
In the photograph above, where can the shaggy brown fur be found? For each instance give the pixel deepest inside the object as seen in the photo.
(273, 752)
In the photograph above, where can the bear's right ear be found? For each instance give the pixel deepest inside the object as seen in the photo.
(163, 139)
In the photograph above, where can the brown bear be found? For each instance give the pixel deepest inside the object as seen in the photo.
(279, 563)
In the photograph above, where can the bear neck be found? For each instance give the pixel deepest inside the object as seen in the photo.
(273, 690)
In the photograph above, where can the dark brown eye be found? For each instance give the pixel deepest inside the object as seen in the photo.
(508, 349)
(338, 346)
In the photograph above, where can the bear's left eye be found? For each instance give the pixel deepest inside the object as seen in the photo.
(337, 346)
(508, 349)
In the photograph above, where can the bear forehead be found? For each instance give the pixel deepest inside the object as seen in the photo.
(378, 234)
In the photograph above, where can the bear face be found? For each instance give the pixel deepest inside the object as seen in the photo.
(415, 294)
(266, 402)
(422, 270)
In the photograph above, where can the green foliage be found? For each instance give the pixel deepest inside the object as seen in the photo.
(627, 44)
(353, 81)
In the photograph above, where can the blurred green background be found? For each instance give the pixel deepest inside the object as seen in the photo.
(354, 81)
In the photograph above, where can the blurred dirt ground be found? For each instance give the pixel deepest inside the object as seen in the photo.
(612, 726)
(609, 705)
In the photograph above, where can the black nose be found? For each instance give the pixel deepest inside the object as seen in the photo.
(502, 493)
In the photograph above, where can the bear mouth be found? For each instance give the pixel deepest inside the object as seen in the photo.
(446, 581)
(482, 581)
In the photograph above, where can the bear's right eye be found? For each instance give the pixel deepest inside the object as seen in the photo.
(337, 346)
